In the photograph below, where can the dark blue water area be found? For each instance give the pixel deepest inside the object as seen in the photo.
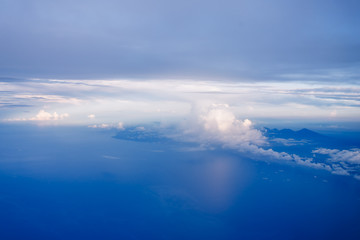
(80, 183)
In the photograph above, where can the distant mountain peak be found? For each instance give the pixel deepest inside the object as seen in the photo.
(286, 133)
(306, 130)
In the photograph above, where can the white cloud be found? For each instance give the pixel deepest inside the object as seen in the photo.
(339, 170)
(119, 126)
(218, 125)
(91, 116)
(289, 141)
(144, 100)
(43, 116)
(333, 113)
(111, 157)
(350, 156)
(342, 162)
(48, 98)
(103, 125)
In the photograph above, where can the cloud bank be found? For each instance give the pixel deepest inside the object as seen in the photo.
(217, 125)
(144, 100)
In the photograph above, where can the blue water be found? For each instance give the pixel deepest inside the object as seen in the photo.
(79, 183)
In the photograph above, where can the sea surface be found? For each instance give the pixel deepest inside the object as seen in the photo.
(83, 183)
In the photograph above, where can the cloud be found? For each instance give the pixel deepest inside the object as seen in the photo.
(43, 116)
(342, 162)
(119, 126)
(111, 157)
(103, 125)
(132, 100)
(91, 116)
(217, 125)
(289, 142)
(156, 40)
(351, 156)
(48, 98)
(339, 170)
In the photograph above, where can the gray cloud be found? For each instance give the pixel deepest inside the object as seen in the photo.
(245, 39)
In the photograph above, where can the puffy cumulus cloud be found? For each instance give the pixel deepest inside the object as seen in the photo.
(217, 124)
(118, 125)
(43, 116)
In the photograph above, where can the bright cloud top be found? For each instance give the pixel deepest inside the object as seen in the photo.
(220, 124)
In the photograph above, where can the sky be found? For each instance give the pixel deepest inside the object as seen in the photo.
(201, 119)
(208, 40)
(96, 62)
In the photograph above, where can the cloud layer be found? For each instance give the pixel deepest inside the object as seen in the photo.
(130, 100)
(197, 39)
